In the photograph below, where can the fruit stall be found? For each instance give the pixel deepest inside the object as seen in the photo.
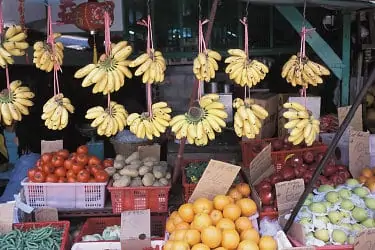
(216, 156)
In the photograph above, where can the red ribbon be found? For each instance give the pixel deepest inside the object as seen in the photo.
(302, 52)
(201, 48)
(246, 45)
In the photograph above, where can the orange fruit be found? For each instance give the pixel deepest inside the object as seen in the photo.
(180, 245)
(211, 237)
(225, 223)
(192, 237)
(216, 216)
(169, 226)
(370, 180)
(177, 219)
(250, 234)
(235, 194)
(179, 234)
(230, 199)
(362, 179)
(267, 243)
(200, 246)
(367, 172)
(248, 207)
(244, 189)
(232, 211)
(242, 224)
(173, 215)
(202, 205)
(168, 245)
(371, 186)
(182, 225)
(202, 221)
(186, 212)
(220, 201)
(220, 248)
(247, 245)
(230, 239)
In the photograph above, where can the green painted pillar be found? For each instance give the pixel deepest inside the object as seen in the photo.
(345, 80)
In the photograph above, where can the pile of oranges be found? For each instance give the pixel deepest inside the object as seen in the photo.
(368, 178)
(222, 224)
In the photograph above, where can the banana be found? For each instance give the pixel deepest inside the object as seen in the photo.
(237, 52)
(259, 111)
(294, 105)
(291, 124)
(139, 60)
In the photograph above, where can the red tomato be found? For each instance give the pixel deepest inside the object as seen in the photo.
(83, 176)
(101, 176)
(95, 169)
(60, 172)
(82, 149)
(72, 179)
(48, 168)
(38, 163)
(51, 178)
(82, 159)
(68, 164)
(31, 173)
(57, 161)
(93, 160)
(39, 176)
(108, 163)
(46, 157)
(63, 153)
(76, 167)
(62, 180)
(70, 173)
(73, 156)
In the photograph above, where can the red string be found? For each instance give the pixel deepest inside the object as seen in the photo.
(302, 52)
(107, 40)
(7, 77)
(246, 45)
(201, 48)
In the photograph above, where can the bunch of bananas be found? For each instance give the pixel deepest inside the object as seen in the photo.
(146, 126)
(152, 66)
(109, 73)
(200, 123)
(56, 112)
(45, 56)
(15, 102)
(205, 65)
(302, 71)
(14, 44)
(248, 117)
(302, 125)
(108, 121)
(244, 71)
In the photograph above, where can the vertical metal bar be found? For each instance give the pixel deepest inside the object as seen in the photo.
(271, 13)
(345, 80)
(330, 149)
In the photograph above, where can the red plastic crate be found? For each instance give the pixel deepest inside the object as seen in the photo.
(277, 156)
(96, 225)
(139, 198)
(296, 243)
(64, 225)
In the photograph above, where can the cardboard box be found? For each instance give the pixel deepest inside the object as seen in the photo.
(270, 102)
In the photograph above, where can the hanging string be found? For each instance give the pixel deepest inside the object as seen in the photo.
(246, 43)
(21, 12)
(201, 49)
(1, 32)
(95, 51)
(107, 43)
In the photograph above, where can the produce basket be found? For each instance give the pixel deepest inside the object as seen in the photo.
(248, 152)
(64, 195)
(139, 198)
(97, 225)
(64, 225)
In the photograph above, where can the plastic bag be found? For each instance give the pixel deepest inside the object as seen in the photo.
(269, 227)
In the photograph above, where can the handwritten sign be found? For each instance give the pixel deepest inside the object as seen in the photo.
(46, 214)
(51, 146)
(359, 153)
(261, 166)
(6, 217)
(149, 151)
(135, 229)
(216, 179)
(356, 123)
(288, 194)
(365, 240)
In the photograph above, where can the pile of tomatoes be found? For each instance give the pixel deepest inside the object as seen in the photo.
(65, 167)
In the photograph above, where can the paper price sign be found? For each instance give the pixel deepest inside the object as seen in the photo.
(288, 193)
(365, 240)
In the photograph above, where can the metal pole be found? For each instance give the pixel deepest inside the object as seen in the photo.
(331, 149)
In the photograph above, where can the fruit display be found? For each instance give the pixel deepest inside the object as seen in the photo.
(205, 65)
(109, 73)
(242, 70)
(221, 223)
(134, 172)
(65, 167)
(14, 102)
(47, 54)
(108, 121)
(148, 125)
(302, 125)
(200, 123)
(329, 123)
(302, 71)
(13, 44)
(248, 117)
(151, 66)
(56, 112)
(367, 178)
(335, 215)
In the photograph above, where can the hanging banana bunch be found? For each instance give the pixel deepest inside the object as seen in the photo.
(205, 65)
(248, 117)
(56, 112)
(47, 55)
(14, 44)
(302, 125)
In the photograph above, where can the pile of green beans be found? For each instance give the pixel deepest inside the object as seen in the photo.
(46, 238)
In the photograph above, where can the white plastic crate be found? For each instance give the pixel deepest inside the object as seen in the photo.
(65, 195)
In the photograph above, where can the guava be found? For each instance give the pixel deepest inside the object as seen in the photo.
(370, 203)
(317, 207)
(359, 214)
(322, 234)
(345, 193)
(332, 196)
(325, 188)
(339, 236)
(369, 223)
(335, 217)
(347, 204)
(351, 182)
(361, 191)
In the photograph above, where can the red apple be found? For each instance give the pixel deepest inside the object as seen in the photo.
(288, 173)
(266, 197)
